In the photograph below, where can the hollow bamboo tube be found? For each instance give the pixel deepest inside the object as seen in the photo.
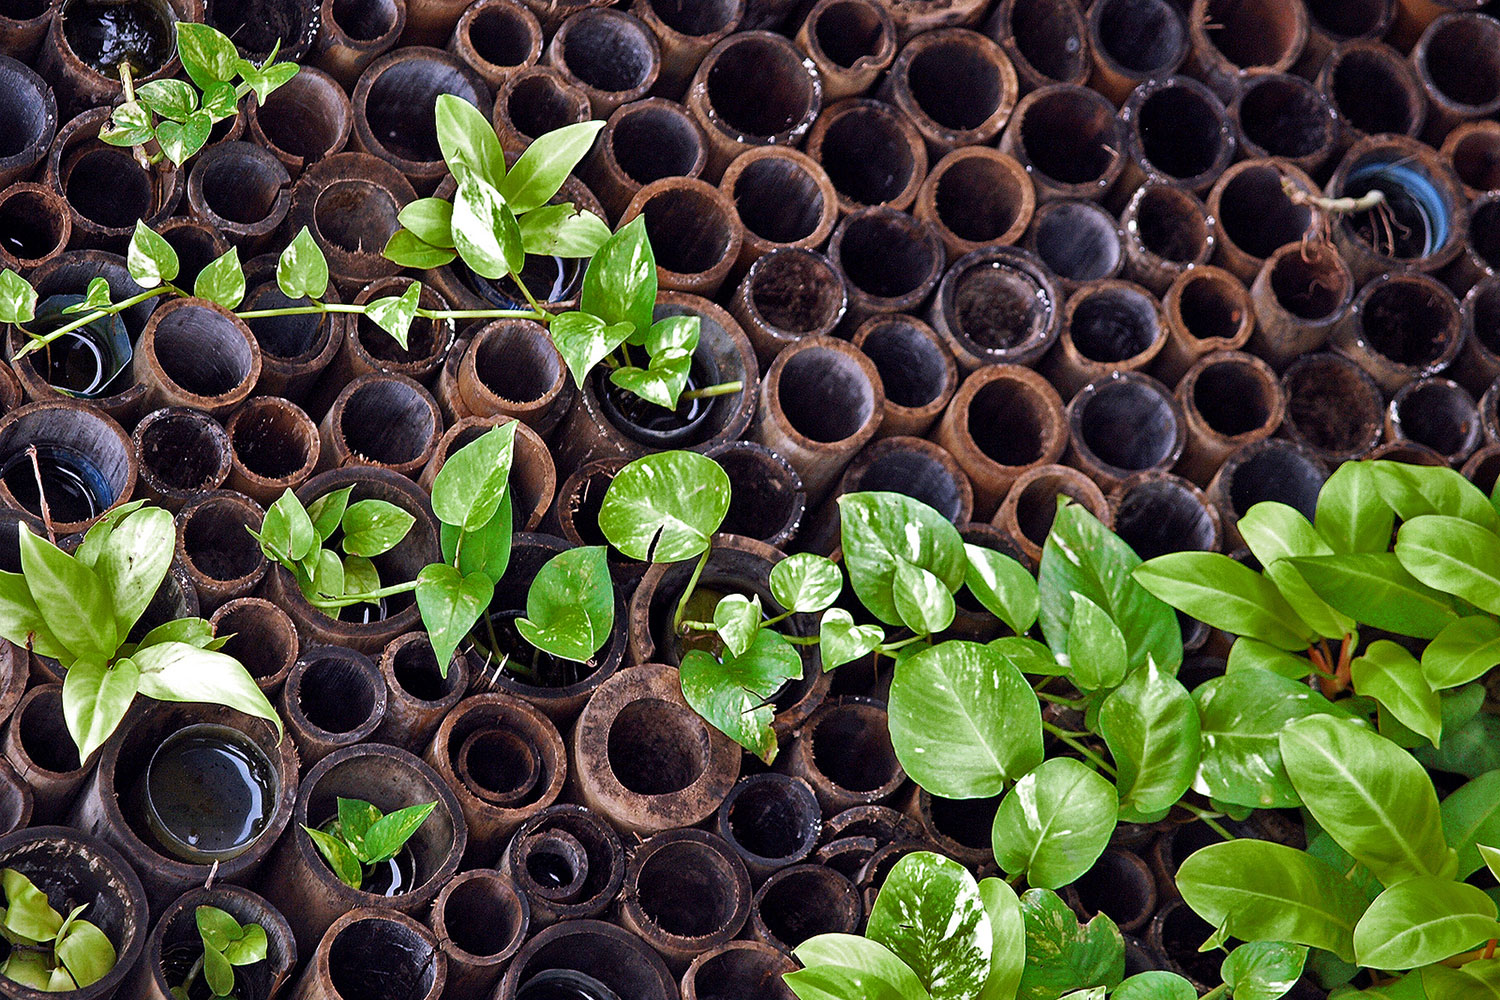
(1078, 241)
(98, 450)
(1256, 216)
(180, 453)
(430, 22)
(685, 893)
(1132, 41)
(1046, 40)
(1227, 39)
(536, 101)
(1278, 114)
(1108, 326)
(159, 971)
(960, 829)
(353, 33)
(739, 968)
(844, 752)
(996, 305)
(1003, 420)
(788, 294)
(294, 350)
(497, 39)
(685, 33)
(568, 861)
(67, 56)
(694, 232)
(1482, 469)
(1373, 89)
(1479, 364)
(1120, 885)
(1332, 406)
(36, 223)
(510, 368)
(799, 902)
(1025, 515)
(1438, 413)
(873, 154)
(1402, 326)
(783, 199)
(1473, 150)
(480, 921)
(609, 54)
(384, 421)
(916, 369)
(418, 694)
(643, 141)
(1302, 293)
(107, 191)
(1457, 60)
(333, 698)
(770, 821)
(366, 949)
(1069, 140)
(28, 119)
(196, 353)
(394, 112)
(533, 477)
(1331, 22)
(767, 500)
(261, 636)
(369, 348)
(1178, 132)
(752, 89)
(15, 800)
(305, 119)
(287, 26)
(23, 25)
(1157, 513)
(1274, 469)
(221, 558)
(851, 42)
(908, 465)
(38, 747)
(1481, 239)
(955, 85)
(976, 196)
(274, 447)
(1122, 424)
(349, 203)
(1228, 400)
(604, 953)
(1168, 232)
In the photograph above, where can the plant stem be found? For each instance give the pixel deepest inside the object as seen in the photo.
(1222, 990)
(722, 389)
(370, 597)
(1058, 699)
(435, 314)
(1067, 737)
(1209, 819)
(193, 974)
(37, 343)
(687, 592)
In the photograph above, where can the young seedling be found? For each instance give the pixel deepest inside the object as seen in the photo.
(227, 945)
(50, 952)
(360, 838)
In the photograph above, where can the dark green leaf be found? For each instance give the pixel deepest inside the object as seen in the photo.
(485, 550)
(302, 270)
(881, 529)
(222, 281)
(1263, 970)
(930, 915)
(570, 607)
(665, 507)
(374, 526)
(546, 163)
(1471, 816)
(1053, 825)
(451, 603)
(1227, 595)
(1061, 954)
(1150, 725)
(1469, 748)
(620, 283)
(734, 695)
(1008, 940)
(327, 512)
(180, 141)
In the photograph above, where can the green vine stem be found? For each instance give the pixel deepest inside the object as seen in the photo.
(687, 593)
(37, 343)
(1068, 738)
(370, 597)
(1209, 819)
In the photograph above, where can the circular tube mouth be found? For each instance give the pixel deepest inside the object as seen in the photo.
(771, 817)
(568, 856)
(825, 394)
(1332, 406)
(1145, 38)
(956, 80)
(1274, 470)
(389, 421)
(1256, 32)
(656, 747)
(33, 225)
(1047, 36)
(851, 747)
(215, 541)
(502, 35)
(355, 215)
(84, 457)
(1409, 321)
(339, 691)
(1181, 130)
(758, 88)
(107, 187)
(691, 228)
(1459, 59)
(652, 140)
(805, 900)
(1156, 517)
(1128, 423)
(365, 20)
(1474, 149)
(998, 304)
(370, 955)
(1344, 19)
(767, 500)
(414, 666)
(1113, 323)
(778, 199)
(903, 465)
(1315, 286)
(184, 450)
(1170, 224)
(796, 291)
(240, 183)
(1284, 115)
(197, 244)
(697, 19)
(484, 916)
(517, 362)
(1374, 89)
(1482, 306)
(848, 31)
(1234, 397)
(869, 153)
(981, 197)
(1210, 305)
(1256, 215)
(1437, 413)
(307, 117)
(260, 636)
(1119, 885)
(1071, 136)
(1008, 419)
(1413, 222)
(687, 888)
(397, 98)
(608, 50)
(257, 27)
(913, 367)
(204, 353)
(43, 733)
(888, 255)
(1077, 240)
(1036, 499)
(537, 101)
(1484, 230)
(273, 439)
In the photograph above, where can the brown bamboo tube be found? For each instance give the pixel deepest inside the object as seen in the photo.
(752, 89)
(349, 203)
(1119, 885)
(643, 141)
(196, 353)
(568, 861)
(684, 35)
(770, 821)
(354, 33)
(1227, 39)
(180, 453)
(694, 232)
(393, 108)
(604, 954)
(166, 958)
(1168, 232)
(1255, 215)
(242, 190)
(1332, 407)
(1025, 515)
(288, 26)
(74, 442)
(36, 224)
(261, 636)
(739, 968)
(536, 101)
(368, 348)
(782, 197)
(1157, 513)
(913, 17)
(1301, 294)
(1278, 114)
(955, 85)
(221, 558)
(29, 119)
(975, 196)
(1481, 244)
(333, 698)
(891, 262)
(1373, 89)
(367, 948)
(1472, 148)
(105, 188)
(996, 305)
(1177, 132)
(1132, 41)
(1457, 64)
(1078, 241)
(1069, 140)
(855, 767)
(81, 69)
(1122, 424)
(1046, 40)
(916, 369)
(801, 901)
(1108, 326)
(1438, 413)
(1331, 22)
(1401, 327)
(294, 350)
(274, 447)
(15, 800)
(497, 38)
(610, 55)
(305, 119)
(431, 22)
(882, 824)
(1003, 420)
(960, 828)
(685, 892)
(788, 294)
(766, 500)
(1408, 452)
(872, 153)
(384, 421)
(821, 401)
(851, 42)
(14, 673)
(480, 921)
(196, 243)
(23, 26)
(1482, 469)
(899, 464)
(418, 695)
(1479, 364)
(533, 477)
(1228, 400)
(510, 368)
(1274, 469)
(38, 747)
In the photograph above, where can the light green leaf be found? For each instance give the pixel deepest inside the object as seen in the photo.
(485, 550)
(734, 695)
(1375, 589)
(570, 607)
(1414, 491)
(218, 972)
(302, 270)
(71, 598)
(150, 258)
(619, 285)
(879, 530)
(468, 141)
(563, 231)
(1471, 816)
(1061, 954)
(1008, 940)
(28, 914)
(1263, 970)
(340, 859)
(546, 163)
(664, 507)
(133, 562)
(208, 55)
(1421, 921)
(409, 250)
(87, 953)
(177, 671)
(17, 298)
(840, 640)
(128, 125)
(430, 220)
(21, 621)
(584, 339)
(250, 948)
(485, 233)
(922, 601)
(1454, 556)
(1056, 821)
(469, 487)
(388, 834)
(1150, 725)
(217, 927)
(1002, 586)
(805, 582)
(327, 512)
(1463, 651)
(372, 527)
(222, 281)
(1221, 592)
(451, 603)
(180, 140)
(835, 982)
(394, 313)
(660, 383)
(1156, 986)
(930, 914)
(1388, 673)
(1351, 517)
(1252, 654)
(95, 699)
(849, 951)
(1096, 649)
(737, 618)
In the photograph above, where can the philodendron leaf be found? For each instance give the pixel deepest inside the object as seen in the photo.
(28, 914)
(17, 298)
(1225, 594)
(468, 141)
(1150, 725)
(451, 603)
(1471, 816)
(302, 269)
(1056, 821)
(222, 281)
(1351, 516)
(1391, 675)
(849, 951)
(208, 55)
(963, 720)
(546, 163)
(21, 620)
(1259, 891)
(132, 564)
(485, 550)
(879, 530)
(250, 948)
(1376, 590)
(665, 507)
(394, 313)
(1370, 795)
(840, 640)
(372, 527)
(1277, 533)
(805, 582)
(1003, 586)
(287, 534)
(1156, 986)
(1008, 940)
(95, 699)
(327, 512)
(72, 599)
(583, 340)
(150, 258)
(179, 671)
(737, 618)
(619, 285)
(1263, 970)
(218, 972)
(340, 859)
(734, 695)
(86, 952)
(562, 231)
(570, 607)
(469, 487)
(837, 982)
(217, 927)
(930, 914)
(1096, 649)
(1463, 651)
(1421, 921)
(1414, 491)
(1063, 955)
(1453, 555)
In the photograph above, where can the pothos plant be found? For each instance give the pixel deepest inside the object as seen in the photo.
(360, 836)
(80, 609)
(49, 952)
(227, 945)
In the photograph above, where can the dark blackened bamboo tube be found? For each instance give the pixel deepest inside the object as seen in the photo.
(74, 442)
(288, 26)
(975, 196)
(394, 109)
(353, 33)
(909, 465)
(181, 453)
(1401, 327)
(369, 348)
(1457, 59)
(333, 698)
(890, 261)
(1473, 149)
(161, 967)
(497, 38)
(418, 694)
(196, 353)
(1479, 364)
(959, 828)
(196, 243)
(305, 119)
(788, 294)
(274, 447)
(38, 746)
(956, 85)
(1119, 885)
(1278, 114)
(536, 101)
(642, 142)
(81, 67)
(685, 33)
(771, 821)
(1108, 326)
(16, 800)
(1273, 469)
(1255, 215)
(996, 305)
(1123, 424)
(916, 369)
(568, 861)
(1227, 39)
(766, 500)
(105, 188)
(1168, 231)
(1133, 41)
(846, 855)
(386, 421)
(821, 401)
(23, 25)
(1025, 515)
(1046, 40)
(1374, 91)
(851, 42)
(28, 119)
(349, 203)
(799, 902)
(14, 672)
(294, 350)
(1228, 400)
(36, 224)
(365, 950)
(1332, 406)
(872, 153)
(533, 477)
(1003, 420)
(1481, 253)
(588, 956)
(261, 636)
(1069, 140)
(1482, 469)
(1177, 132)
(685, 892)
(1331, 22)
(1157, 513)
(694, 232)
(782, 197)
(480, 921)
(739, 968)
(1301, 294)
(1078, 240)
(510, 368)
(610, 55)
(1438, 413)
(221, 558)
(844, 752)
(752, 89)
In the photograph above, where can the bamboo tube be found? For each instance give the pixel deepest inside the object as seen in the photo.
(685, 892)
(685, 34)
(480, 921)
(28, 119)
(996, 305)
(873, 154)
(1286, 116)
(1228, 400)
(643, 141)
(916, 369)
(783, 199)
(1256, 216)
(570, 864)
(1069, 140)
(1046, 40)
(1124, 424)
(536, 101)
(180, 453)
(274, 447)
(1078, 241)
(1402, 326)
(739, 968)
(766, 500)
(497, 39)
(975, 196)
(1332, 406)
(394, 108)
(851, 42)
(1003, 421)
(107, 191)
(349, 203)
(855, 767)
(788, 294)
(1301, 295)
(213, 545)
(1438, 413)
(610, 55)
(1273, 469)
(36, 223)
(1227, 39)
(1133, 41)
(1108, 326)
(956, 85)
(367, 948)
(261, 636)
(694, 232)
(1168, 231)
(1025, 515)
(752, 89)
(770, 821)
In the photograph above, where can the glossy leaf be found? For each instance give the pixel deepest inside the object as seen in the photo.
(17, 298)
(1421, 921)
(21, 620)
(133, 563)
(468, 141)
(1063, 955)
(388, 834)
(218, 972)
(174, 99)
(1156, 986)
(250, 948)
(72, 599)
(485, 232)
(665, 507)
(1375, 589)
(222, 281)
(737, 618)
(1463, 651)
(28, 914)
(1351, 516)
(150, 258)
(1414, 491)
(1388, 673)
(302, 270)
(95, 699)
(1221, 592)
(923, 603)
(1252, 654)
(1002, 586)
(879, 530)
(805, 582)
(451, 604)
(409, 250)
(850, 951)
(546, 163)
(1277, 533)
(1263, 970)
(485, 550)
(1454, 556)
(583, 340)
(1471, 816)
(340, 859)
(661, 382)
(930, 914)
(430, 220)
(86, 952)
(834, 982)
(180, 671)
(1096, 649)
(471, 483)
(179, 141)
(619, 285)
(208, 55)
(570, 607)
(1008, 940)
(327, 512)
(356, 816)
(734, 695)
(562, 230)
(1150, 725)
(372, 527)
(395, 313)
(1056, 821)
(840, 640)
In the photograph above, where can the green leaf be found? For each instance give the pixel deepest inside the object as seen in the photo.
(546, 163)
(840, 640)
(1008, 940)
(1053, 825)
(17, 298)
(264, 80)
(1252, 654)
(1028, 655)
(584, 339)
(451, 603)
(394, 313)
(485, 550)
(207, 54)
(1463, 651)
(1156, 986)
(179, 141)
(468, 141)
(879, 531)
(1002, 586)
(930, 914)
(563, 231)
(570, 608)
(737, 618)
(388, 834)
(485, 233)
(923, 603)
(99, 533)
(1469, 748)
(1351, 517)
(1478, 980)
(849, 951)
(328, 574)
(216, 927)
(327, 512)
(21, 621)
(150, 258)
(1375, 589)
(1421, 921)
(218, 972)
(669, 332)
(355, 817)
(95, 699)
(173, 99)
(1096, 649)
(340, 859)
(1063, 955)
(469, 487)
(1414, 491)
(1388, 673)
(661, 383)
(665, 507)
(734, 695)
(1370, 796)
(619, 285)
(28, 914)
(220, 101)
(963, 720)
(1150, 725)
(1471, 816)
(128, 125)
(411, 251)
(178, 671)
(1225, 594)
(133, 562)
(71, 598)
(1082, 556)
(97, 296)
(1454, 556)
(836, 982)
(193, 631)
(805, 583)
(1263, 970)
(372, 527)
(1277, 534)
(302, 270)
(430, 220)
(250, 948)
(87, 953)
(222, 281)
